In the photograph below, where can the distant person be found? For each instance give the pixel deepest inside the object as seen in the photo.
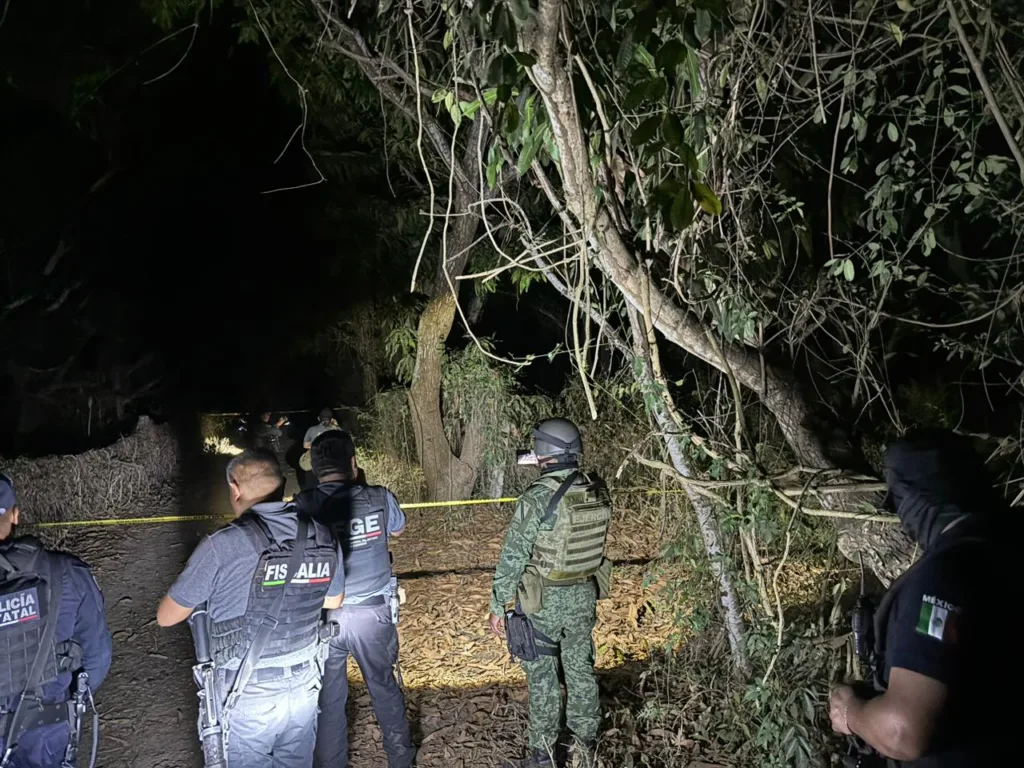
(269, 431)
(363, 518)
(937, 632)
(238, 573)
(44, 652)
(325, 422)
(553, 569)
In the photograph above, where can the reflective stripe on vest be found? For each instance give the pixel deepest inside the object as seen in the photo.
(358, 517)
(574, 548)
(295, 637)
(23, 613)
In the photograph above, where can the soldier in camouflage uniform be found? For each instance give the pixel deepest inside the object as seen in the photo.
(552, 564)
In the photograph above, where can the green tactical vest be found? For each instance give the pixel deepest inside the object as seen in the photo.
(572, 551)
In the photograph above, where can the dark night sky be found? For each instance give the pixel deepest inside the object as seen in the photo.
(198, 263)
(179, 252)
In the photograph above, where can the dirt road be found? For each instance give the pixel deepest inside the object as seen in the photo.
(466, 701)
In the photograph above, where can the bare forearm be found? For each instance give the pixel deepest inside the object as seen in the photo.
(882, 724)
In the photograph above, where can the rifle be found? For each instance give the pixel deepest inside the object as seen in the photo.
(211, 729)
(80, 702)
(863, 620)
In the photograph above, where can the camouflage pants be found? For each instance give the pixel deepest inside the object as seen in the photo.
(568, 618)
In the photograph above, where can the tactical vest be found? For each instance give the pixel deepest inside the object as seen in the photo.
(358, 517)
(26, 573)
(295, 638)
(572, 551)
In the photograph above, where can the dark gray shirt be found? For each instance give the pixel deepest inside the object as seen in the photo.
(223, 566)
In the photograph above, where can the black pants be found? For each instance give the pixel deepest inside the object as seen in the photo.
(369, 636)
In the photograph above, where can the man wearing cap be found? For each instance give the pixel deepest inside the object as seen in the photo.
(552, 566)
(363, 517)
(54, 643)
(325, 422)
(268, 672)
(937, 631)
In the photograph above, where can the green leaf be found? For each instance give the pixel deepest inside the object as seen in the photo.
(625, 54)
(959, 89)
(636, 96)
(511, 118)
(503, 26)
(762, 87)
(897, 33)
(644, 23)
(672, 130)
(449, 37)
(929, 240)
(848, 270)
(524, 59)
(670, 56)
(689, 157)
(529, 153)
(657, 88)
(707, 199)
(520, 9)
(892, 132)
(439, 95)
(502, 70)
(702, 25)
(681, 212)
(645, 131)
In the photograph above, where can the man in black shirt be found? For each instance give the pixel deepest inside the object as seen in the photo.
(935, 630)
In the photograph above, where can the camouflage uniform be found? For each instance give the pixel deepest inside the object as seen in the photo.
(568, 618)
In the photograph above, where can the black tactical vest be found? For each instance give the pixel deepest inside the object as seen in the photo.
(305, 592)
(358, 517)
(26, 573)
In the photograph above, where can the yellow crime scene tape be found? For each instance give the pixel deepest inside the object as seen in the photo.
(197, 518)
(863, 517)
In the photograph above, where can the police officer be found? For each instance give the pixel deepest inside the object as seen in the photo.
(244, 574)
(52, 629)
(325, 422)
(935, 631)
(551, 563)
(268, 432)
(363, 517)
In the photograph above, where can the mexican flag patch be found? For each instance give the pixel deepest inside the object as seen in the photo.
(938, 619)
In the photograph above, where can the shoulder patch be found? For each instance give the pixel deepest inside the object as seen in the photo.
(938, 619)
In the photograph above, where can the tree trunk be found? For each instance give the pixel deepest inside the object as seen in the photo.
(655, 395)
(615, 257)
(448, 477)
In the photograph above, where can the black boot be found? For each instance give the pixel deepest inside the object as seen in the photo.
(535, 758)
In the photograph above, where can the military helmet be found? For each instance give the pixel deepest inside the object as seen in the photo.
(558, 437)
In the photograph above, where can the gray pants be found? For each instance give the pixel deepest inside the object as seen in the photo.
(369, 636)
(274, 723)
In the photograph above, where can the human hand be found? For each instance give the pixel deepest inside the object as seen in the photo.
(841, 698)
(498, 625)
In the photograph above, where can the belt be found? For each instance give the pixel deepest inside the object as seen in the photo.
(269, 674)
(575, 583)
(36, 716)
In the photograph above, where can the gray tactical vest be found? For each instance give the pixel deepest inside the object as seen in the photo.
(26, 573)
(358, 517)
(295, 638)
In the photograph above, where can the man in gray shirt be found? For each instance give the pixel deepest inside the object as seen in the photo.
(239, 572)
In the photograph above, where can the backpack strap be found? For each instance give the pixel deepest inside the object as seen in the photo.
(269, 623)
(54, 593)
(556, 498)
